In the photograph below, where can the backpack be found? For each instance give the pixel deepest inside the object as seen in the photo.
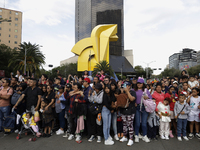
(9, 123)
(149, 104)
(15, 98)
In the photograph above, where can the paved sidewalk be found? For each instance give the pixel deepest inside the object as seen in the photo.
(55, 142)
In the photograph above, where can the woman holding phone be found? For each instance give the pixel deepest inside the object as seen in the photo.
(173, 97)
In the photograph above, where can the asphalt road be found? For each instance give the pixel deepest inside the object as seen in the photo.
(56, 142)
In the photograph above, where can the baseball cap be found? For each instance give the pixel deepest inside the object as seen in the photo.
(87, 80)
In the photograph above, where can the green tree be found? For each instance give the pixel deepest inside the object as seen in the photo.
(194, 70)
(34, 58)
(170, 72)
(6, 53)
(140, 71)
(103, 65)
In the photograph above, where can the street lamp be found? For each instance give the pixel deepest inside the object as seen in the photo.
(148, 67)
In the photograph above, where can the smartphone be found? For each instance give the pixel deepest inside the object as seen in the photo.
(124, 86)
(174, 92)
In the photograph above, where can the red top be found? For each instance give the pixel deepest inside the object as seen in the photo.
(172, 100)
(159, 97)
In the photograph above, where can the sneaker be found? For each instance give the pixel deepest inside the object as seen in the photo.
(98, 139)
(108, 142)
(66, 135)
(166, 137)
(179, 138)
(71, 136)
(124, 139)
(17, 131)
(140, 136)
(60, 132)
(146, 139)
(191, 136)
(130, 142)
(170, 134)
(91, 138)
(136, 138)
(162, 137)
(116, 137)
(197, 135)
(78, 138)
(110, 137)
(185, 138)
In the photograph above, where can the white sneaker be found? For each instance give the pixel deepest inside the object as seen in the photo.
(116, 137)
(179, 138)
(110, 137)
(91, 138)
(71, 136)
(124, 139)
(162, 137)
(136, 138)
(130, 142)
(109, 142)
(98, 139)
(78, 138)
(60, 132)
(17, 131)
(166, 137)
(146, 139)
(66, 135)
(140, 136)
(185, 138)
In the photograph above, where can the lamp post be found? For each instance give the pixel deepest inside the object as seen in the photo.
(148, 67)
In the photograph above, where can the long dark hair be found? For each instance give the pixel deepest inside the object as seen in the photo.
(143, 87)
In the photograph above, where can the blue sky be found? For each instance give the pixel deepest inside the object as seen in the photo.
(154, 29)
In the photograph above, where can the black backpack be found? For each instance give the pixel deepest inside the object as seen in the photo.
(9, 123)
(15, 98)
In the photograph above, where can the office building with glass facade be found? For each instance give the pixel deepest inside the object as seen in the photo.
(90, 13)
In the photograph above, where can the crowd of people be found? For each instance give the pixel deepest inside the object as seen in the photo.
(90, 106)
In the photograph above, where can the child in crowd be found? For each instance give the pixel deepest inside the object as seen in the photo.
(193, 116)
(173, 97)
(47, 118)
(175, 84)
(192, 83)
(181, 111)
(184, 89)
(153, 125)
(29, 121)
(164, 113)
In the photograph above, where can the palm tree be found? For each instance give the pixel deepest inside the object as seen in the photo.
(34, 58)
(103, 65)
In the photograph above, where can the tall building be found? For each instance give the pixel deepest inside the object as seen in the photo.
(90, 13)
(10, 32)
(198, 58)
(183, 60)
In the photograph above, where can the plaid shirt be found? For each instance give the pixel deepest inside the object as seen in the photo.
(72, 99)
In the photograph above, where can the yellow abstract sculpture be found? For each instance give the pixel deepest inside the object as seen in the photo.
(96, 48)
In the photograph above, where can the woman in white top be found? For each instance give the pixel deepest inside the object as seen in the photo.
(19, 75)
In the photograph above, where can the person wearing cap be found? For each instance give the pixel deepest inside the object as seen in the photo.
(128, 114)
(87, 88)
(141, 115)
(175, 84)
(60, 109)
(95, 97)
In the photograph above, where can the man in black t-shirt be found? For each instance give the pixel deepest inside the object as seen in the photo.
(14, 83)
(32, 95)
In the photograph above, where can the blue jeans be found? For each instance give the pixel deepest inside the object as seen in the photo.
(4, 112)
(181, 127)
(114, 122)
(141, 117)
(106, 116)
(61, 117)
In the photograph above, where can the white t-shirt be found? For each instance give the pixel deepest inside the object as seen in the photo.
(20, 78)
(194, 83)
(194, 103)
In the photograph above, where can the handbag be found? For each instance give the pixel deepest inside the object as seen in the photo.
(149, 104)
(95, 108)
(122, 100)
